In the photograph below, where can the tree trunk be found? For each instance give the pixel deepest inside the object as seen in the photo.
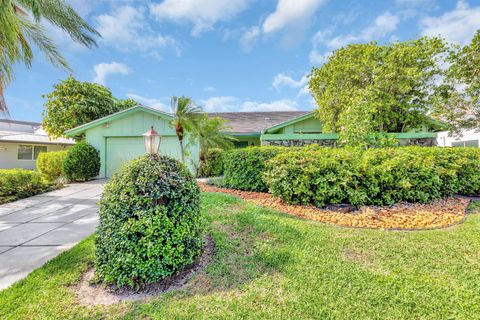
(182, 153)
(3, 104)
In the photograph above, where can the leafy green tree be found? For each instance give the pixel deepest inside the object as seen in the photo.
(73, 103)
(459, 96)
(186, 118)
(368, 88)
(20, 27)
(126, 104)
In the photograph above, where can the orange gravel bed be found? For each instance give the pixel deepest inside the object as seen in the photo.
(407, 216)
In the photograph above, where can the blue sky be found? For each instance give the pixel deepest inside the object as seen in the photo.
(228, 55)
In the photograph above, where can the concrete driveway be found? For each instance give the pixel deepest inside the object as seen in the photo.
(36, 229)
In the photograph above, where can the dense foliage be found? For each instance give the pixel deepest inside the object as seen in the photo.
(20, 183)
(367, 88)
(23, 24)
(50, 164)
(243, 168)
(73, 103)
(82, 162)
(381, 176)
(150, 224)
(212, 163)
(461, 108)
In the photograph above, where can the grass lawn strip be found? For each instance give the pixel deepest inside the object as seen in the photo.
(273, 266)
(404, 216)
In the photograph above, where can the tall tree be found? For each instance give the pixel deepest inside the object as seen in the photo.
(20, 27)
(73, 103)
(459, 95)
(367, 88)
(186, 117)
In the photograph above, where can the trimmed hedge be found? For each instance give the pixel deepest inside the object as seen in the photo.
(150, 223)
(20, 183)
(381, 176)
(243, 168)
(212, 164)
(50, 164)
(82, 162)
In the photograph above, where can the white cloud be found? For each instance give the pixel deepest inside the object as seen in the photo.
(127, 29)
(209, 89)
(278, 105)
(282, 79)
(150, 102)
(102, 70)
(230, 103)
(203, 14)
(249, 37)
(457, 26)
(382, 25)
(291, 14)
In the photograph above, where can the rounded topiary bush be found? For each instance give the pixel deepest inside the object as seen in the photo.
(150, 225)
(82, 162)
(50, 164)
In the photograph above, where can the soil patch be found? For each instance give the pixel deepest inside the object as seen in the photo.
(403, 216)
(99, 294)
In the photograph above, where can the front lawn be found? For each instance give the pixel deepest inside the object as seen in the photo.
(271, 265)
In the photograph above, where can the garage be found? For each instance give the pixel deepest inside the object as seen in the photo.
(118, 138)
(123, 149)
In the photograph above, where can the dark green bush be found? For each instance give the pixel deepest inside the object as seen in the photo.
(150, 224)
(243, 168)
(319, 177)
(20, 183)
(212, 163)
(50, 164)
(380, 176)
(82, 162)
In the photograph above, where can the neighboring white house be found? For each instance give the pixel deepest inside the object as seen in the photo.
(22, 141)
(468, 138)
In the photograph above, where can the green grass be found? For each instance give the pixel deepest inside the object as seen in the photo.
(270, 265)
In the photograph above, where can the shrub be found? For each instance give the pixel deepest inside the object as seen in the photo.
(20, 183)
(212, 164)
(380, 176)
(50, 164)
(319, 177)
(243, 168)
(150, 224)
(82, 162)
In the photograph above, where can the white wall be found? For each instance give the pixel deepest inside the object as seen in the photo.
(8, 155)
(444, 140)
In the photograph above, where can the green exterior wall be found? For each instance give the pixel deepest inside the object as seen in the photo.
(247, 141)
(134, 125)
(310, 125)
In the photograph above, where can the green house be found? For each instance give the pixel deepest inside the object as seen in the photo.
(118, 137)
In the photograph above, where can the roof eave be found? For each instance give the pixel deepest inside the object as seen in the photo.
(80, 129)
(288, 122)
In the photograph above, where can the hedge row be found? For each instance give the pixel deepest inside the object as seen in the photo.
(20, 183)
(381, 176)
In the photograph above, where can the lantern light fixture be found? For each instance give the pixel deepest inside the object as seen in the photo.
(152, 139)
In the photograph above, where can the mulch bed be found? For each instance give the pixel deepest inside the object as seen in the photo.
(91, 294)
(402, 216)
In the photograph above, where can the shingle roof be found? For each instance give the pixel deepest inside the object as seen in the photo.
(35, 138)
(255, 122)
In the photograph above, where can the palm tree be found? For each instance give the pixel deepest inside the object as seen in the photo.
(20, 26)
(210, 133)
(186, 116)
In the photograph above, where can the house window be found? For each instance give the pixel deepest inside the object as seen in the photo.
(240, 144)
(29, 152)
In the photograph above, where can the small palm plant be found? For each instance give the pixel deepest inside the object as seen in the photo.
(20, 27)
(186, 117)
(210, 133)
